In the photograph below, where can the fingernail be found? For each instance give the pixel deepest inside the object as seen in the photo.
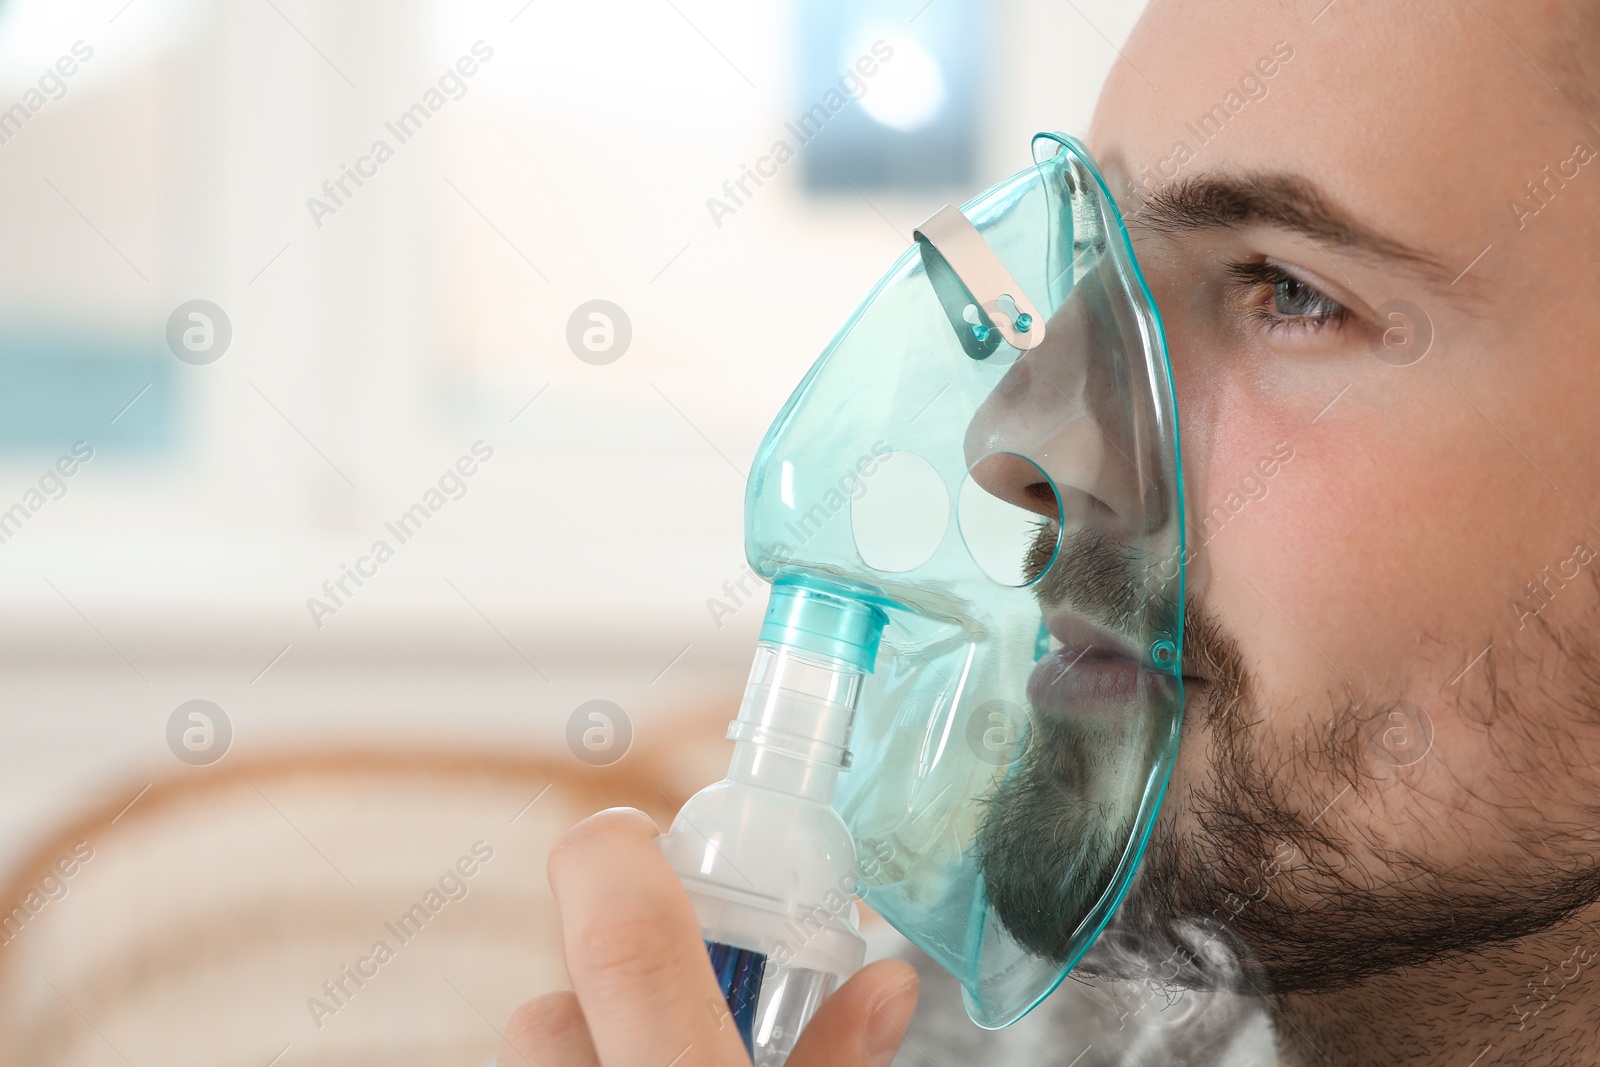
(887, 1026)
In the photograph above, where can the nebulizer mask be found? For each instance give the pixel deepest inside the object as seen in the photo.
(967, 693)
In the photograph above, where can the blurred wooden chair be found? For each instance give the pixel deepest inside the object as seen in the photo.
(234, 915)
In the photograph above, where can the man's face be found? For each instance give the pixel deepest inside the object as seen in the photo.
(1383, 346)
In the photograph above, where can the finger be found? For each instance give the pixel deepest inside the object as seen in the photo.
(547, 1031)
(634, 949)
(864, 1022)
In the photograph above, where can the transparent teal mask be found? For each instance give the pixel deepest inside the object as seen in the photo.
(987, 452)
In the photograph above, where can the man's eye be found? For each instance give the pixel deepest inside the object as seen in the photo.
(1291, 296)
(1278, 300)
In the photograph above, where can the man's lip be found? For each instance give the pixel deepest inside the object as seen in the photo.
(1082, 639)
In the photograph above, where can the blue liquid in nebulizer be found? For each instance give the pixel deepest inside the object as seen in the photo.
(738, 972)
(769, 865)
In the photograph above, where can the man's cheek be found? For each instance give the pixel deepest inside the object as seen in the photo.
(1269, 579)
(1328, 590)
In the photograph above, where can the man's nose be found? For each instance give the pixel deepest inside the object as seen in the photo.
(1060, 434)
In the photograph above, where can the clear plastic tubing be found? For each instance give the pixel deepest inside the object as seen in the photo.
(767, 862)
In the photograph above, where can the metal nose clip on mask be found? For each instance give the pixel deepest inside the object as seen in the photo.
(985, 462)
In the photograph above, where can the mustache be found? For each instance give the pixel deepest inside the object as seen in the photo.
(1111, 584)
(1102, 579)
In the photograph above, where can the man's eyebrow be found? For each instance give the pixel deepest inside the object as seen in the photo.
(1284, 201)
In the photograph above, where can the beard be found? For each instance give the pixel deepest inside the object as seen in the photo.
(1241, 858)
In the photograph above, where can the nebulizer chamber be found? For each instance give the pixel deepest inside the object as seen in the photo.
(889, 703)
(768, 864)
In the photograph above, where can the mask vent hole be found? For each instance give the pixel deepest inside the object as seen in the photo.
(1011, 531)
(899, 512)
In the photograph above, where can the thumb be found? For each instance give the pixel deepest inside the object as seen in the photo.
(864, 1022)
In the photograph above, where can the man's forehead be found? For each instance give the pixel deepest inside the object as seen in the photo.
(1416, 121)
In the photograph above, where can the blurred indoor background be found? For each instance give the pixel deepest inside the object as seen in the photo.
(364, 339)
